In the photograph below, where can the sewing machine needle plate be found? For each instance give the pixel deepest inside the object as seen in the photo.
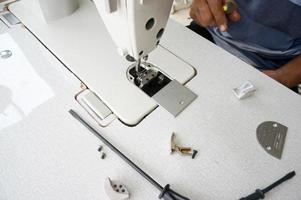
(271, 136)
(174, 97)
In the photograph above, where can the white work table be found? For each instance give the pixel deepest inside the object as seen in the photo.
(46, 154)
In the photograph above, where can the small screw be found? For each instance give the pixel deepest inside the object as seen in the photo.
(100, 148)
(103, 156)
(195, 152)
(130, 58)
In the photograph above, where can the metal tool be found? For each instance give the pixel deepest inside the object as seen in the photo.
(271, 136)
(182, 150)
(260, 194)
(166, 192)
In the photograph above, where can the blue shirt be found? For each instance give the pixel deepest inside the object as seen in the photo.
(268, 34)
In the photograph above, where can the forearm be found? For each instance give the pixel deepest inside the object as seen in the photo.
(290, 73)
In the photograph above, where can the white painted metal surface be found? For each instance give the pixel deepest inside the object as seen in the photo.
(48, 155)
(82, 42)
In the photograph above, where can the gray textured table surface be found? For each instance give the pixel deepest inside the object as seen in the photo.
(45, 154)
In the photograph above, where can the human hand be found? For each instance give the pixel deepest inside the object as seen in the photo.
(274, 74)
(210, 13)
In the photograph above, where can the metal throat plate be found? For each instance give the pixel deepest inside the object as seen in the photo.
(174, 97)
(271, 136)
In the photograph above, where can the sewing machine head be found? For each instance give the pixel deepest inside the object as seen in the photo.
(136, 26)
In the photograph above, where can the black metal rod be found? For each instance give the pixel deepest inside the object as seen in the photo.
(113, 148)
(283, 179)
(260, 194)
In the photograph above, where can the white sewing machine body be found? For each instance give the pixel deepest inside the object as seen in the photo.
(135, 26)
(46, 154)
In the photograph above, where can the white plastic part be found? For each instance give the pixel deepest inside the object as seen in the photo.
(245, 90)
(116, 190)
(56, 9)
(136, 26)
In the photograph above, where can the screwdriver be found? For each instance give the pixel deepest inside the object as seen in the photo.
(229, 6)
(260, 194)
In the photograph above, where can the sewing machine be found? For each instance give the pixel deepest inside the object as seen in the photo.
(129, 92)
(142, 24)
(46, 154)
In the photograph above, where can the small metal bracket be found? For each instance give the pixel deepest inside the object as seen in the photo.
(245, 90)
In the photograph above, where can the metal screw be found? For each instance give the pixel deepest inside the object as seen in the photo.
(185, 150)
(195, 152)
(100, 148)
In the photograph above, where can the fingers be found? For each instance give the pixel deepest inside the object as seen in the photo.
(206, 15)
(216, 7)
(234, 16)
(201, 13)
(211, 13)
